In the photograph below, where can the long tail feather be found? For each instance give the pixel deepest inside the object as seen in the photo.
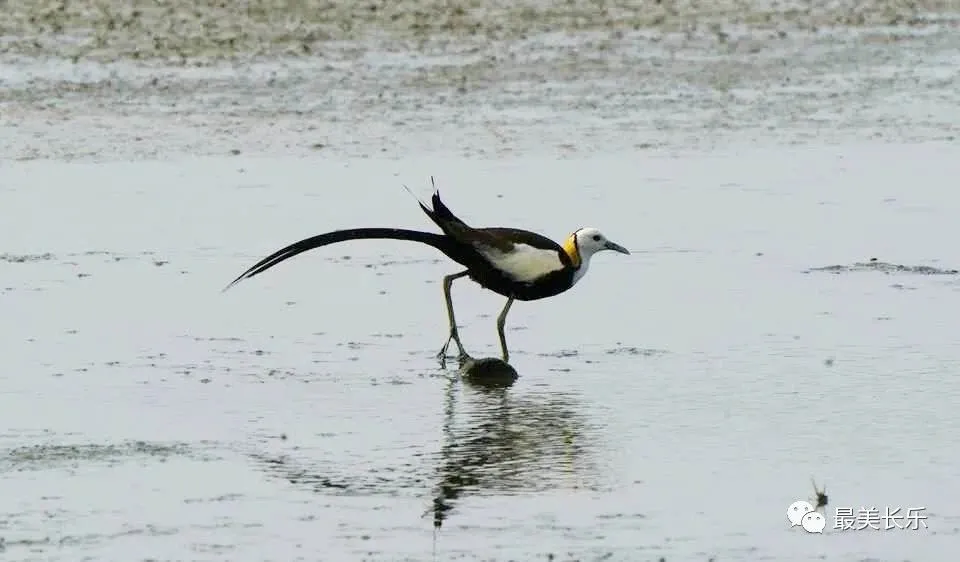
(439, 214)
(419, 202)
(436, 240)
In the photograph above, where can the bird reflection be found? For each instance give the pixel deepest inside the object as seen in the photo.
(494, 441)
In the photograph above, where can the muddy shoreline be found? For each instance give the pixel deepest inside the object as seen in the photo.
(104, 81)
(110, 29)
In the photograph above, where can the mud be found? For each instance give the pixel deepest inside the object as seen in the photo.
(108, 29)
(887, 268)
(109, 80)
(45, 457)
(488, 372)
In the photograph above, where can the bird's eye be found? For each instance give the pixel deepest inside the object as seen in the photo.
(596, 237)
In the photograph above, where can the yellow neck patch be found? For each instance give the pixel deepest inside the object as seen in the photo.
(570, 247)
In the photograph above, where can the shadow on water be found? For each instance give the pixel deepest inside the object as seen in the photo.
(497, 441)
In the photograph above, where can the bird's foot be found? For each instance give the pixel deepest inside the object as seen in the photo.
(442, 355)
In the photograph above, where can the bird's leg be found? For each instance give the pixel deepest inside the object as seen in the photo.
(454, 336)
(501, 320)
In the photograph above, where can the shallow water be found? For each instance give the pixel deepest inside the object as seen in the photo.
(672, 405)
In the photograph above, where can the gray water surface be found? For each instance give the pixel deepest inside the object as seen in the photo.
(673, 404)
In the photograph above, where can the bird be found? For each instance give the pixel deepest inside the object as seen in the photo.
(517, 264)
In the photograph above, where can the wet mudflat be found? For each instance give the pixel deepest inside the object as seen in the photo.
(671, 405)
(784, 177)
(466, 78)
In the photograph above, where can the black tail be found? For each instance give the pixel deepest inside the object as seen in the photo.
(438, 241)
(441, 210)
(440, 214)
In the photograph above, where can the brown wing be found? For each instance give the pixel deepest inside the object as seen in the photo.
(460, 231)
(522, 237)
(493, 243)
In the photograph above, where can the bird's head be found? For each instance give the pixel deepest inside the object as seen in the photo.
(582, 244)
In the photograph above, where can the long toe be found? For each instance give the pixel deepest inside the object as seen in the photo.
(442, 356)
(443, 350)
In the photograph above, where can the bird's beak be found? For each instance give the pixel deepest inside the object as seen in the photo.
(616, 247)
